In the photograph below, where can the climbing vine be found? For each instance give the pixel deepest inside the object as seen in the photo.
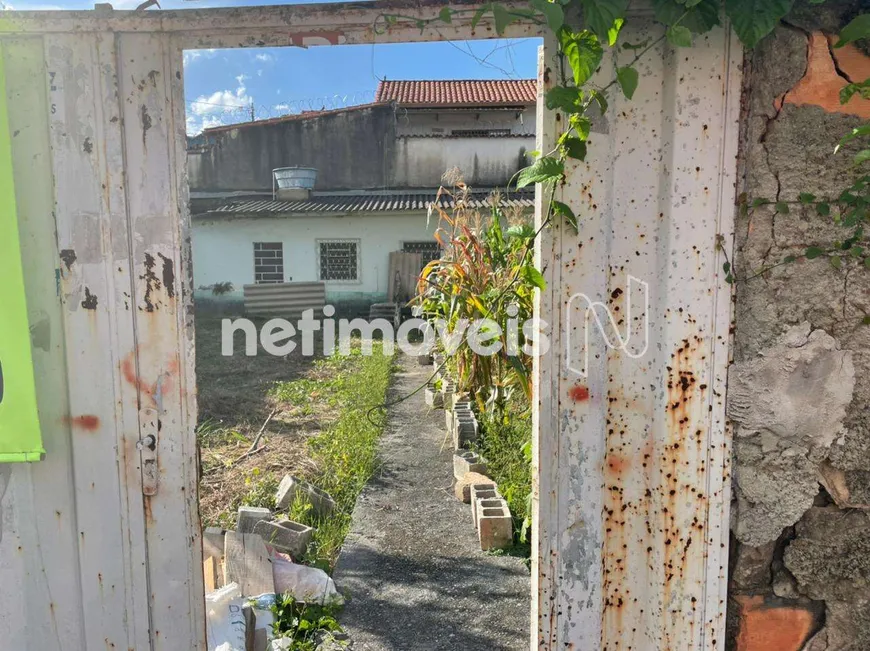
(581, 52)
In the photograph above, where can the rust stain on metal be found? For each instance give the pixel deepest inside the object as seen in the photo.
(68, 257)
(87, 422)
(145, 118)
(152, 283)
(90, 302)
(168, 275)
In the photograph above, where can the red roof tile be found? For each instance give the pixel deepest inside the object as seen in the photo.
(482, 92)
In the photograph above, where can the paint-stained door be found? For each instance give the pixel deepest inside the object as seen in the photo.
(103, 207)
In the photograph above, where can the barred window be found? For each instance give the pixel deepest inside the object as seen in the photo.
(268, 262)
(428, 250)
(338, 260)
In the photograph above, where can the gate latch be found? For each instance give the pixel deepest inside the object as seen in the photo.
(149, 426)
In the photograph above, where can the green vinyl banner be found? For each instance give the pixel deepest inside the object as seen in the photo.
(20, 438)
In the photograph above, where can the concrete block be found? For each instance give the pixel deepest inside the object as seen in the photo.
(434, 399)
(467, 461)
(462, 489)
(291, 487)
(424, 360)
(482, 492)
(249, 516)
(286, 536)
(213, 543)
(481, 503)
(466, 431)
(495, 528)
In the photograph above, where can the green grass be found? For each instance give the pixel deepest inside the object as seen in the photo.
(345, 453)
(505, 444)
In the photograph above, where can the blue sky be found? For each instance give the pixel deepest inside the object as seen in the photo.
(220, 85)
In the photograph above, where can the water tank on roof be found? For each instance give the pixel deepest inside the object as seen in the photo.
(302, 178)
(293, 183)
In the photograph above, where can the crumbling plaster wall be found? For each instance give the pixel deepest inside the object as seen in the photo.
(799, 389)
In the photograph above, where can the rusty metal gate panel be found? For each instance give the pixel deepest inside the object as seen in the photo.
(632, 457)
(630, 537)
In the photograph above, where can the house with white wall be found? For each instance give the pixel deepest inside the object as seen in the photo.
(378, 168)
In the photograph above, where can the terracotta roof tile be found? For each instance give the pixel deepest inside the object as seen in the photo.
(477, 92)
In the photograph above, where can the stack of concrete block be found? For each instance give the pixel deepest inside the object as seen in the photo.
(286, 536)
(463, 487)
(291, 488)
(434, 398)
(465, 461)
(448, 390)
(465, 428)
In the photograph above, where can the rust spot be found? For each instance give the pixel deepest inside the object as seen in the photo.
(87, 422)
(152, 283)
(68, 257)
(146, 121)
(579, 393)
(617, 463)
(90, 302)
(168, 275)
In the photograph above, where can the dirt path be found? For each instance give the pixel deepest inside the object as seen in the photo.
(412, 567)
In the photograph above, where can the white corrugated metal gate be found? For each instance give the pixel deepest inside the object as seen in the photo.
(100, 543)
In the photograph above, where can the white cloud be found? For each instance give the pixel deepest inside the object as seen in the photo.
(264, 57)
(259, 73)
(221, 107)
(192, 55)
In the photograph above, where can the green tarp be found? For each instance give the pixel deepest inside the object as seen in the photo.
(20, 438)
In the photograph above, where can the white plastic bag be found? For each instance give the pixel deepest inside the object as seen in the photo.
(304, 583)
(225, 624)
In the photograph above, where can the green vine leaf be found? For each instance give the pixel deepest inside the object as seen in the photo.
(866, 320)
(823, 209)
(813, 252)
(575, 148)
(564, 210)
(544, 169)
(862, 156)
(755, 19)
(679, 36)
(600, 15)
(836, 262)
(627, 78)
(533, 277)
(613, 32)
(583, 52)
(446, 15)
(552, 11)
(581, 124)
(502, 17)
(698, 16)
(782, 207)
(568, 99)
(857, 132)
(479, 14)
(760, 202)
(857, 29)
(806, 197)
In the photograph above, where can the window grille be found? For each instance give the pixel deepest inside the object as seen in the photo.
(339, 260)
(268, 262)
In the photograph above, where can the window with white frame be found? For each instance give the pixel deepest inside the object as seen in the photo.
(338, 260)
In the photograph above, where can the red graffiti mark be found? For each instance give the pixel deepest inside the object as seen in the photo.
(88, 422)
(148, 391)
(579, 393)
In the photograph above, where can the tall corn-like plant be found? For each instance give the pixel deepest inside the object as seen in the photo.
(486, 272)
